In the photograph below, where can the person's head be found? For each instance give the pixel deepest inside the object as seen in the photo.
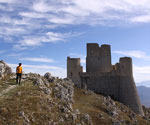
(20, 64)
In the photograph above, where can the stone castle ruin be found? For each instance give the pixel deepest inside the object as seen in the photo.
(104, 78)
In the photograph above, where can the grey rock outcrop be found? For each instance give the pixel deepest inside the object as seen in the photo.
(49, 77)
(38, 82)
(4, 69)
(61, 90)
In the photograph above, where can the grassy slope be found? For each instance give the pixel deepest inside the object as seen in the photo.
(39, 108)
(93, 105)
(31, 101)
(90, 104)
(5, 83)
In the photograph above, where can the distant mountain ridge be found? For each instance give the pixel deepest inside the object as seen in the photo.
(144, 94)
(144, 83)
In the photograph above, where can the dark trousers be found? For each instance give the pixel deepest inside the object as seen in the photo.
(18, 78)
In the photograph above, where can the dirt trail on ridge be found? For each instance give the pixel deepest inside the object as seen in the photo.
(7, 89)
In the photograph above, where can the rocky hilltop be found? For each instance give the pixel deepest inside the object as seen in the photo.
(48, 100)
(4, 69)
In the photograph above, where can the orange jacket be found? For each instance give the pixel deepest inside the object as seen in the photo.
(19, 69)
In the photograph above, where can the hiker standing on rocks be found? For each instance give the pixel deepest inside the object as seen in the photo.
(18, 73)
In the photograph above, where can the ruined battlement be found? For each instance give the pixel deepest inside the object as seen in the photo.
(123, 67)
(74, 69)
(74, 61)
(98, 58)
(102, 77)
(93, 49)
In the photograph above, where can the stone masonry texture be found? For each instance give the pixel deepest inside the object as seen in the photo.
(104, 78)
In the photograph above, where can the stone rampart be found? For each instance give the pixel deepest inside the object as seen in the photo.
(104, 78)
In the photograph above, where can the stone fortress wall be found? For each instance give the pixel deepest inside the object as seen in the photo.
(104, 78)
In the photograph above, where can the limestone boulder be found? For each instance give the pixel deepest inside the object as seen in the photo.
(87, 119)
(49, 77)
(38, 82)
(4, 69)
(46, 90)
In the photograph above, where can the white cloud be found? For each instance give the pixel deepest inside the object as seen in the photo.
(79, 12)
(12, 30)
(7, 1)
(141, 19)
(43, 7)
(99, 6)
(49, 37)
(62, 20)
(141, 73)
(138, 2)
(33, 15)
(16, 22)
(83, 60)
(42, 69)
(37, 66)
(30, 42)
(76, 11)
(41, 16)
(47, 60)
(18, 47)
(136, 54)
(52, 36)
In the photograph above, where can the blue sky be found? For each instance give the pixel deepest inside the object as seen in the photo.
(42, 33)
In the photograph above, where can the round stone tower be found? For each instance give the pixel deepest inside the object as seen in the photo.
(127, 92)
(74, 69)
